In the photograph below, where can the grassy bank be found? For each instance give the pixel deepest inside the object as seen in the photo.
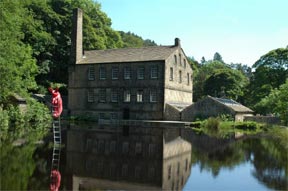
(216, 127)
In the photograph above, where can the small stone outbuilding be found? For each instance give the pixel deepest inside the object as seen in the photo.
(213, 107)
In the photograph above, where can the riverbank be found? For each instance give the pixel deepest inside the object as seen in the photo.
(214, 127)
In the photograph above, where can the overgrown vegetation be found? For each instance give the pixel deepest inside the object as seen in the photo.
(17, 124)
(216, 127)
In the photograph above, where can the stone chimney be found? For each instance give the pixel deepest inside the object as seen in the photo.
(76, 38)
(177, 42)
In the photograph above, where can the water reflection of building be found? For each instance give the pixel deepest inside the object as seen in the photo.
(142, 159)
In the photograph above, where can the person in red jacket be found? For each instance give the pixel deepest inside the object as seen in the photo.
(55, 180)
(56, 102)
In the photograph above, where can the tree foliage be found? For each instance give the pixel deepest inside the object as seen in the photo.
(218, 79)
(34, 31)
(271, 70)
(217, 57)
(225, 83)
(133, 40)
(276, 102)
(17, 66)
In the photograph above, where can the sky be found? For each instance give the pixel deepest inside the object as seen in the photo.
(240, 30)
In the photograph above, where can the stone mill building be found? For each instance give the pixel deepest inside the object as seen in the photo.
(148, 83)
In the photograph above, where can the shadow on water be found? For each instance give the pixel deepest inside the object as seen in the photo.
(139, 158)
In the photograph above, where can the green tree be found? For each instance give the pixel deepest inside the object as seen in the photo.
(17, 67)
(204, 72)
(133, 40)
(48, 32)
(225, 82)
(276, 102)
(271, 70)
(217, 57)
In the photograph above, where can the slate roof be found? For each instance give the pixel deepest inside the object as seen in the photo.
(149, 53)
(233, 105)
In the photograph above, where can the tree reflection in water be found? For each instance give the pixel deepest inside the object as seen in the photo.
(19, 163)
(268, 157)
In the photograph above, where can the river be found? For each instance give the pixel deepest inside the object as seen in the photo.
(145, 158)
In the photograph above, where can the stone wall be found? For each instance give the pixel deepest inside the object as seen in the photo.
(204, 109)
(263, 119)
(176, 90)
(80, 87)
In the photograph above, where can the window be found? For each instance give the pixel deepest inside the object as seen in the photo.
(102, 73)
(140, 73)
(180, 59)
(91, 73)
(113, 146)
(153, 96)
(90, 96)
(175, 59)
(137, 172)
(188, 79)
(171, 74)
(152, 149)
(180, 76)
(114, 95)
(125, 147)
(127, 95)
(151, 173)
(154, 72)
(185, 63)
(102, 95)
(114, 116)
(127, 73)
(140, 96)
(178, 168)
(124, 172)
(186, 165)
(138, 148)
(101, 116)
(115, 73)
(169, 172)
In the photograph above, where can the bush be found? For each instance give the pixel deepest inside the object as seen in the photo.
(212, 124)
(196, 124)
(246, 125)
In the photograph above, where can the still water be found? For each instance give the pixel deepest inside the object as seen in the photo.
(135, 158)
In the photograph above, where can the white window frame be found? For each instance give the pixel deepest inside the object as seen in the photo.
(154, 72)
(101, 116)
(90, 96)
(153, 96)
(114, 116)
(115, 73)
(102, 95)
(114, 95)
(127, 96)
(91, 73)
(140, 96)
(140, 73)
(102, 73)
(127, 73)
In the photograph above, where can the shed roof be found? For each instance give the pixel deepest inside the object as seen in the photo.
(149, 53)
(233, 105)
